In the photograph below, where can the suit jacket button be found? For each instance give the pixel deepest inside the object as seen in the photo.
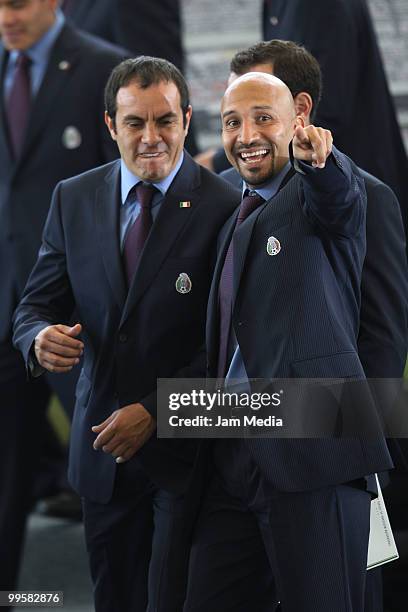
(123, 338)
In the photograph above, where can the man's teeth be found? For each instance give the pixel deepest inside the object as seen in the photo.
(254, 154)
(150, 154)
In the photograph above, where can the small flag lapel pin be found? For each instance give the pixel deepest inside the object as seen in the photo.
(185, 204)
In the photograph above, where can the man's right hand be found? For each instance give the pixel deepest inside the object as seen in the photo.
(57, 349)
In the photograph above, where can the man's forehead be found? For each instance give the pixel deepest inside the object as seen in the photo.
(161, 92)
(253, 93)
(256, 89)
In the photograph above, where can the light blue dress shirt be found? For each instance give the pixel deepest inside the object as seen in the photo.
(236, 371)
(39, 55)
(130, 208)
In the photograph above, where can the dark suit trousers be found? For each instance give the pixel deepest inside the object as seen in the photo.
(139, 544)
(22, 432)
(253, 546)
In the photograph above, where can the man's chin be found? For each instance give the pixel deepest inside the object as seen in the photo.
(254, 176)
(152, 172)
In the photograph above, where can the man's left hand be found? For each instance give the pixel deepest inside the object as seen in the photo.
(312, 144)
(124, 432)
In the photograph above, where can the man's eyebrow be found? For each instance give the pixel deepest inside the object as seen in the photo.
(169, 115)
(132, 118)
(260, 107)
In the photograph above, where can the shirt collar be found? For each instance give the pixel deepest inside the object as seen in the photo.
(40, 51)
(271, 188)
(129, 180)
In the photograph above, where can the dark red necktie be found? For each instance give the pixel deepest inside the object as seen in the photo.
(248, 205)
(66, 6)
(138, 233)
(18, 104)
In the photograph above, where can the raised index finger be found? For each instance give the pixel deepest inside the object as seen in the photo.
(318, 144)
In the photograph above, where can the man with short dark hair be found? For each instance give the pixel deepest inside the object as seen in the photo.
(51, 102)
(130, 246)
(290, 62)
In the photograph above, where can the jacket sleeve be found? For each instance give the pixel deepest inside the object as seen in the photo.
(47, 298)
(334, 196)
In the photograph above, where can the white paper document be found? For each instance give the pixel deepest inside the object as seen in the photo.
(381, 544)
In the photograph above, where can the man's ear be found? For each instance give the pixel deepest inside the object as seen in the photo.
(303, 106)
(187, 118)
(110, 125)
(299, 120)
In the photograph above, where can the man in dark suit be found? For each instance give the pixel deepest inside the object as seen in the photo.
(383, 334)
(52, 80)
(341, 36)
(140, 291)
(142, 26)
(295, 262)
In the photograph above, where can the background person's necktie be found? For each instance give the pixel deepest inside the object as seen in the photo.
(18, 104)
(66, 6)
(137, 234)
(248, 205)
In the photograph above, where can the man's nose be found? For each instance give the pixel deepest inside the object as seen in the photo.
(151, 134)
(248, 132)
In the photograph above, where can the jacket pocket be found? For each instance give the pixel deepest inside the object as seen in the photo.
(339, 365)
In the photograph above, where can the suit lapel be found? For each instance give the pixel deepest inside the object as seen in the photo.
(63, 58)
(5, 150)
(107, 228)
(166, 229)
(212, 312)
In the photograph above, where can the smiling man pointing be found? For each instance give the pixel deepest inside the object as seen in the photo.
(284, 303)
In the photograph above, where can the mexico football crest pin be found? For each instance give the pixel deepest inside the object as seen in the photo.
(183, 283)
(273, 246)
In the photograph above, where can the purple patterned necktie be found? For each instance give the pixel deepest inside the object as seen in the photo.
(18, 104)
(137, 234)
(248, 205)
(66, 6)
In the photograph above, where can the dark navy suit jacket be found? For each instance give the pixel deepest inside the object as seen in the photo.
(383, 333)
(142, 26)
(131, 339)
(296, 314)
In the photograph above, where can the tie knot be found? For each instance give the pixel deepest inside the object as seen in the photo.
(249, 203)
(23, 61)
(144, 193)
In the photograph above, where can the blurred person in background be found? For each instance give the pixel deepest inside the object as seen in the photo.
(341, 36)
(141, 26)
(52, 81)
